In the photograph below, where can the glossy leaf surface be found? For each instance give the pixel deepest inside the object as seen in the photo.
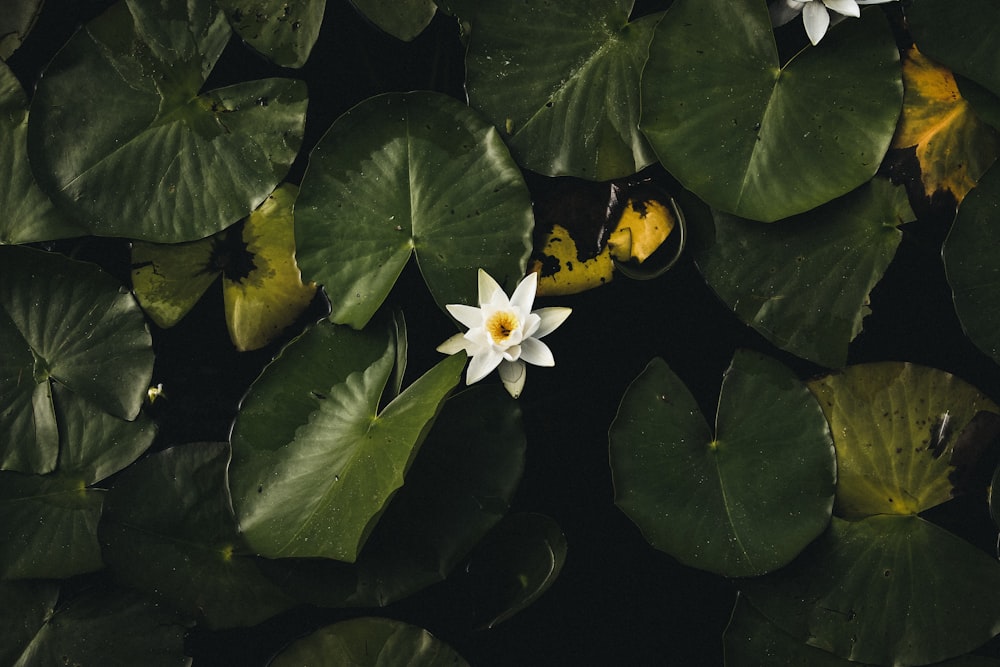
(576, 72)
(315, 461)
(403, 19)
(26, 606)
(15, 24)
(882, 590)
(743, 501)
(401, 174)
(370, 642)
(953, 146)
(756, 138)
(773, 276)
(49, 522)
(70, 322)
(142, 152)
(283, 31)
(972, 260)
(957, 36)
(168, 529)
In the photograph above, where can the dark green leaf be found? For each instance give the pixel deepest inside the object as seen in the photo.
(761, 140)
(15, 23)
(403, 19)
(401, 174)
(283, 31)
(743, 502)
(958, 37)
(26, 605)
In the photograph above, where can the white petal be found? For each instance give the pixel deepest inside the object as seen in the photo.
(551, 319)
(873, 2)
(482, 365)
(784, 11)
(530, 325)
(454, 344)
(816, 20)
(536, 352)
(487, 287)
(470, 316)
(513, 375)
(524, 295)
(845, 7)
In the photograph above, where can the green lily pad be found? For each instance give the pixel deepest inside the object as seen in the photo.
(315, 462)
(403, 19)
(459, 487)
(106, 627)
(370, 642)
(28, 214)
(400, 174)
(141, 152)
(168, 529)
(972, 261)
(70, 322)
(756, 138)
(773, 276)
(515, 565)
(15, 24)
(958, 37)
(894, 427)
(283, 31)
(743, 502)
(885, 590)
(26, 606)
(575, 69)
(48, 523)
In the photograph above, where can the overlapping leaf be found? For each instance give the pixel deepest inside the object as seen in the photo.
(403, 19)
(575, 69)
(142, 152)
(959, 37)
(314, 460)
(16, 22)
(756, 138)
(954, 148)
(283, 31)
(401, 174)
(742, 502)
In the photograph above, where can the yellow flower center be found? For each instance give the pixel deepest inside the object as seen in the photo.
(500, 325)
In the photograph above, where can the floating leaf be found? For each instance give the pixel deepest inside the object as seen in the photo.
(972, 261)
(48, 523)
(515, 565)
(26, 605)
(761, 140)
(261, 284)
(283, 31)
(69, 322)
(106, 627)
(894, 427)
(168, 529)
(773, 276)
(576, 72)
(403, 19)
(28, 213)
(954, 147)
(743, 502)
(314, 460)
(370, 642)
(888, 590)
(15, 23)
(140, 153)
(400, 174)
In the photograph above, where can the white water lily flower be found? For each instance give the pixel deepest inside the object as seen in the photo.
(504, 332)
(816, 13)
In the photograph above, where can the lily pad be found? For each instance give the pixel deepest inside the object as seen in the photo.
(756, 138)
(885, 590)
(70, 322)
(106, 627)
(141, 152)
(15, 24)
(894, 427)
(403, 19)
(168, 529)
(415, 173)
(972, 261)
(26, 606)
(742, 502)
(283, 31)
(48, 523)
(773, 276)
(370, 642)
(28, 214)
(315, 462)
(575, 69)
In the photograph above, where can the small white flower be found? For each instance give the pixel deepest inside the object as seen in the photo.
(504, 332)
(816, 13)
